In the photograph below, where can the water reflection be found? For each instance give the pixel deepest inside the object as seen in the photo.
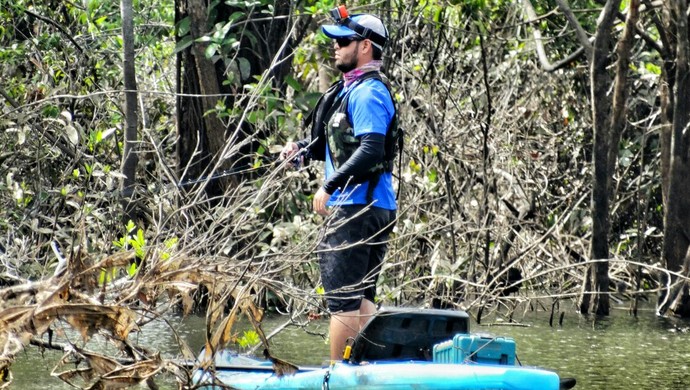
(617, 352)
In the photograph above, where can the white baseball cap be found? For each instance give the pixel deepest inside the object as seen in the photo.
(372, 29)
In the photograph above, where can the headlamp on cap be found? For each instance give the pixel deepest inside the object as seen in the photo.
(339, 13)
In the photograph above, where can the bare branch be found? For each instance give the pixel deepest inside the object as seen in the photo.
(541, 53)
(580, 32)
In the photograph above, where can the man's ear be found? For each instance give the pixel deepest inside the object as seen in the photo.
(368, 46)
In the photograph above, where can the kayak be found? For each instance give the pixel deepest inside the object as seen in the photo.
(398, 349)
(387, 375)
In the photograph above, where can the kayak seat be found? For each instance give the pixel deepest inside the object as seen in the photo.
(406, 334)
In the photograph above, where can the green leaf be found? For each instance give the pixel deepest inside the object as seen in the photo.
(236, 16)
(248, 339)
(182, 27)
(120, 243)
(245, 68)
(652, 68)
(253, 117)
(183, 43)
(51, 111)
(432, 175)
(223, 31)
(132, 270)
(211, 50)
(100, 20)
(171, 242)
(140, 237)
(415, 167)
(230, 78)
(293, 83)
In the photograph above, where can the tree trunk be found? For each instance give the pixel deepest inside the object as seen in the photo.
(203, 127)
(207, 78)
(204, 140)
(666, 96)
(609, 123)
(129, 158)
(604, 142)
(677, 207)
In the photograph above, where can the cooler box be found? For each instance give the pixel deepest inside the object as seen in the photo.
(465, 348)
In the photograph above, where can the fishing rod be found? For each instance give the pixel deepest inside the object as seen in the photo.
(224, 173)
(296, 162)
(234, 171)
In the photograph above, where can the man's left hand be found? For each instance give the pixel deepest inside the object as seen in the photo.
(319, 202)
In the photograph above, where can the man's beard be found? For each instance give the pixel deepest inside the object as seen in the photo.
(346, 67)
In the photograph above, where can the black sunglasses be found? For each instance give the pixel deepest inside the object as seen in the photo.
(344, 42)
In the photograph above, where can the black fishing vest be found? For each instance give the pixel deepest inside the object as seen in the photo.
(330, 122)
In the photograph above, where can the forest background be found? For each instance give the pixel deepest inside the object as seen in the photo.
(545, 148)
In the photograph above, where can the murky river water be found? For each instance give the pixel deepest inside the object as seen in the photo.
(619, 352)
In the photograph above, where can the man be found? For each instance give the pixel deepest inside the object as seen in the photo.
(349, 132)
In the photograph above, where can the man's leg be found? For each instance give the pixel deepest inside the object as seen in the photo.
(342, 327)
(366, 311)
(344, 266)
(349, 324)
(381, 226)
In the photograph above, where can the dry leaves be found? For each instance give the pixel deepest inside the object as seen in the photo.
(96, 371)
(80, 299)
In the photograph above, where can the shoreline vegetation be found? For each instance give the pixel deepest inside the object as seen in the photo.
(139, 176)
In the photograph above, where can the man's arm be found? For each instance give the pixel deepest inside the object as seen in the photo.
(368, 154)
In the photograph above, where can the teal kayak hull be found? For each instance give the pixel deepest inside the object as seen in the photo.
(387, 375)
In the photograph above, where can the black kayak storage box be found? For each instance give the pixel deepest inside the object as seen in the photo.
(407, 333)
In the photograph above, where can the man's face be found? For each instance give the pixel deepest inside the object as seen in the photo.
(346, 54)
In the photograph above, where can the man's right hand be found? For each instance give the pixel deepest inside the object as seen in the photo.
(289, 152)
(320, 200)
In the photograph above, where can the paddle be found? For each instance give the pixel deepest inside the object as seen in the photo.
(251, 367)
(242, 367)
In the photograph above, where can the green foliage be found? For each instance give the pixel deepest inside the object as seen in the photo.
(169, 244)
(60, 72)
(249, 339)
(107, 276)
(315, 8)
(136, 241)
